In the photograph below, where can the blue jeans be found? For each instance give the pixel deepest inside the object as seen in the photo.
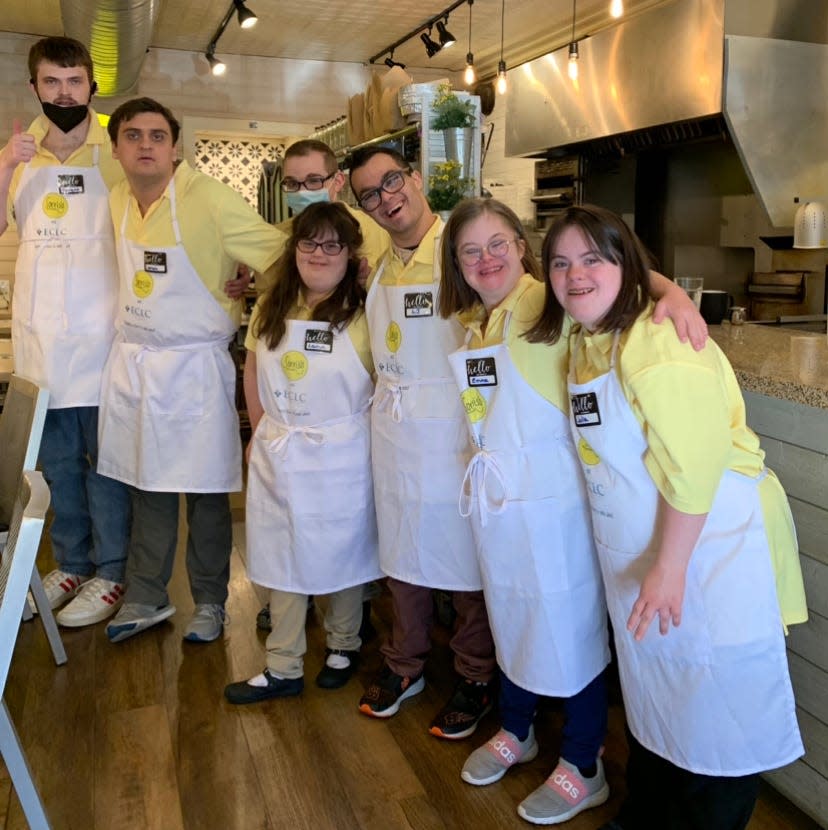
(585, 718)
(91, 513)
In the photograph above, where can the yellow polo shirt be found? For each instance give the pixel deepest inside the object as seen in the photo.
(357, 330)
(542, 366)
(421, 269)
(375, 242)
(96, 138)
(218, 229)
(691, 410)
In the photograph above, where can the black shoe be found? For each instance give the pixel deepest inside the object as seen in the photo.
(263, 619)
(460, 716)
(244, 692)
(331, 678)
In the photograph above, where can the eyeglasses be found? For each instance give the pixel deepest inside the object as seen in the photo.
(392, 182)
(472, 254)
(310, 183)
(329, 246)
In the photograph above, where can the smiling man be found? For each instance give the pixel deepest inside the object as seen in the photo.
(55, 179)
(168, 421)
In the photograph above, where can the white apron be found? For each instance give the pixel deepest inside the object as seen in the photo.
(66, 284)
(310, 520)
(713, 696)
(418, 440)
(168, 420)
(525, 494)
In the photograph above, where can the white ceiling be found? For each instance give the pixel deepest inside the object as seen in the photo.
(354, 30)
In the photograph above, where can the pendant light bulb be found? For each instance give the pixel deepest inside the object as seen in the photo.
(502, 86)
(617, 8)
(468, 76)
(572, 68)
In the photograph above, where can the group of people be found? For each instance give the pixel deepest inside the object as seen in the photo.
(510, 432)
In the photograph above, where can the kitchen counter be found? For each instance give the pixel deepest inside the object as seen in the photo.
(762, 358)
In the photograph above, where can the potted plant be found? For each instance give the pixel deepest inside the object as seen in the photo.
(455, 118)
(447, 186)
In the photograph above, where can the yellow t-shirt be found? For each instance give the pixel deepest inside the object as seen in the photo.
(97, 137)
(218, 229)
(375, 242)
(357, 330)
(423, 266)
(691, 410)
(542, 366)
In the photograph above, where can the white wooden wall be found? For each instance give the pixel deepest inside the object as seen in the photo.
(795, 440)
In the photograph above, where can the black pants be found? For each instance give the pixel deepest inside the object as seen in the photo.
(660, 794)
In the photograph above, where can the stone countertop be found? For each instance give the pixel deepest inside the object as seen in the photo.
(763, 361)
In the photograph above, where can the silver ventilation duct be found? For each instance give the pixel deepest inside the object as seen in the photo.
(118, 34)
(685, 70)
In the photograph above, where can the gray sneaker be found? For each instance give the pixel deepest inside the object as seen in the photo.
(488, 763)
(134, 617)
(564, 794)
(206, 624)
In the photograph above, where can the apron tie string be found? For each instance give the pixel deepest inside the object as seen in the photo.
(390, 393)
(475, 487)
(312, 435)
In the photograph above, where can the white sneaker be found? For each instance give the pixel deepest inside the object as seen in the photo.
(97, 600)
(60, 587)
(206, 624)
(564, 794)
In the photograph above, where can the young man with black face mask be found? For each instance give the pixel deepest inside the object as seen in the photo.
(55, 179)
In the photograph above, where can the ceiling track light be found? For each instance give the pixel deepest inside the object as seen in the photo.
(391, 63)
(502, 85)
(469, 75)
(247, 19)
(424, 30)
(616, 8)
(446, 37)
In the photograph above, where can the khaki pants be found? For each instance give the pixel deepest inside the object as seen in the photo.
(286, 644)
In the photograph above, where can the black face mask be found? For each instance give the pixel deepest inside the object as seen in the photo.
(65, 118)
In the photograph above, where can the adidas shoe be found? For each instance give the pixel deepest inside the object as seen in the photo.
(488, 763)
(564, 794)
(60, 587)
(97, 600)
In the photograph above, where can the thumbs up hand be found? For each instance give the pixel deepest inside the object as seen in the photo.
(20, 148)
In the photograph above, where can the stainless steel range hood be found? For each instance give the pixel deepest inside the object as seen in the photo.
(684, 70)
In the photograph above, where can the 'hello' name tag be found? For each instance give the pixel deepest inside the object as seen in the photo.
(155, 262)
(481, 371)
(585, 410)
(70, 184)
(318, 340)
(419, 304)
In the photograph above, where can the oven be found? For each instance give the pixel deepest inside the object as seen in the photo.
(558, 185)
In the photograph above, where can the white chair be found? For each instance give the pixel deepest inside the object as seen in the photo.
(21, 428)
(18, 560)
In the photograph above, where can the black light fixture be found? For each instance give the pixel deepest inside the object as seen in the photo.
(446, 37)
(572, 68)
(391, 63)
(502, 86)
(247, 20)
(469, 76)
(424, 31)
(431, 47)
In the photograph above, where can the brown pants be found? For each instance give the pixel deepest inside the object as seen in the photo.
(410, 642)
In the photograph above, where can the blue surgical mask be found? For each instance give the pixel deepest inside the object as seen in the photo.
(301, 199)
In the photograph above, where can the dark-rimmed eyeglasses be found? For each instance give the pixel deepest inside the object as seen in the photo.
(392, 182)
(309, 183)
(329, 246)
(473, 254)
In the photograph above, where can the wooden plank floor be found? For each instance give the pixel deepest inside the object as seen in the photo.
(138, 736)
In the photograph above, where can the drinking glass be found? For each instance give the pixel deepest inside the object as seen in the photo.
(693, 286)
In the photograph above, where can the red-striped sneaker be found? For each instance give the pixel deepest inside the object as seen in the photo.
(97, 600)
(60, 587)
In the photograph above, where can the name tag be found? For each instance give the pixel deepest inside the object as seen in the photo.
(70, 184)
(585, 410)
(319, 340)
(155, 262)
(419, 304)
(481, 371)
